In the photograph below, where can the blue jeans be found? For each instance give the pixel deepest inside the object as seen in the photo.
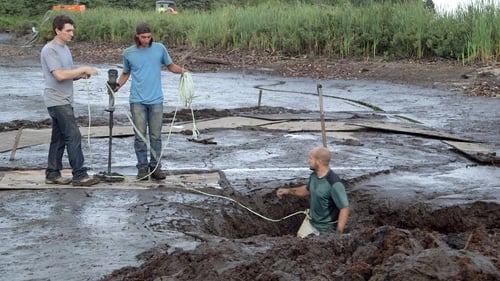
(65, 135)
(147, 118)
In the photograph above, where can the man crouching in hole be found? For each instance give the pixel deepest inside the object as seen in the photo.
(329, 206)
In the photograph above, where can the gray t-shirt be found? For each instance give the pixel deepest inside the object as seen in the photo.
(56, 57)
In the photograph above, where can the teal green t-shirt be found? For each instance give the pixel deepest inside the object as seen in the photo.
(327, 197)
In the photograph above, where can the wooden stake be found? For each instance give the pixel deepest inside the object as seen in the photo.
(468, 241)
(16, 143)
(322, 114)
(260, 98)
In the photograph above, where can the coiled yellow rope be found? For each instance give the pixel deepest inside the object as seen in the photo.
(186, 95)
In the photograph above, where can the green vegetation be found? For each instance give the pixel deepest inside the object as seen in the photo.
(389, 29)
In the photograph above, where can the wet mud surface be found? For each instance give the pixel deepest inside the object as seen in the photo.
(419, 209)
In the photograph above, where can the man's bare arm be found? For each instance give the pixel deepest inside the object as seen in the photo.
(300, 191)
(344, 213)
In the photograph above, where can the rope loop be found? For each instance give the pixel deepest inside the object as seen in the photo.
(186, 92)
(186, 95)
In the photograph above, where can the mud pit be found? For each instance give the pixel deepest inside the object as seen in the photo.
(420, 210)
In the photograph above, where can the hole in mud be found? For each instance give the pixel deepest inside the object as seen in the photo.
(226, 214)
(191, 212)
(239, 222)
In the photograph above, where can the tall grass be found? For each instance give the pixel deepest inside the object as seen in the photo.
(378, 30)
(482, 38)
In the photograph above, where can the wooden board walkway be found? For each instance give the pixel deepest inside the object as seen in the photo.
(408, 129)
(35, 179)
(334, 129)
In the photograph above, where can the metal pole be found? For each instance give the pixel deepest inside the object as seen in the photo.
(112, 76)
(322, 114)
(111, 84)
(110, 142)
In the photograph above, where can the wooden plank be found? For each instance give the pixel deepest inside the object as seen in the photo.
(479, 152)
(35, 179)
(299, 116)
(33, 137)
(408, 129)
(226, 123)
(311, 126)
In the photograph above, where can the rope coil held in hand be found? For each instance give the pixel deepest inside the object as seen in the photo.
(186, 95)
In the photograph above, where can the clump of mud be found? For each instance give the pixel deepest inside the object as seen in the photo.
(487, 84)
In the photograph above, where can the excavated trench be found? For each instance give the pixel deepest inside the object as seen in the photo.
(396, 241)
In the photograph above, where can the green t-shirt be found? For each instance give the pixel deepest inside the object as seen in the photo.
(327, 197)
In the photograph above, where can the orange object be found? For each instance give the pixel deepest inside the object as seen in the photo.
(74, 8)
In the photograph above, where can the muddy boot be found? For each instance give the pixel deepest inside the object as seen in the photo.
(142, 174)
(158, 174)
(58, 180)
(86, 181)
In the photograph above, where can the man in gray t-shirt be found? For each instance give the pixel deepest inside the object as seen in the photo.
(59, 73)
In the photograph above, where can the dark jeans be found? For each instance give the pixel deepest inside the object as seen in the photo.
(147, 118)
(65, 134)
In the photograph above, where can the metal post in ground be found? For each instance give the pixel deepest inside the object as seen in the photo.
(111, 85)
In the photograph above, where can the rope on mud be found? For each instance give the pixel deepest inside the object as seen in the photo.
(243, 206)
(186, 96)
(87, 84)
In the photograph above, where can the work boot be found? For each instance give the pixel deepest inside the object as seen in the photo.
(58, 180)
(142, 174)
(158, 174)
(86, 181)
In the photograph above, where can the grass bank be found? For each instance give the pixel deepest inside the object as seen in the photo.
(388, 30)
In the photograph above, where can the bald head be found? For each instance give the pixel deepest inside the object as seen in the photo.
(322, 154)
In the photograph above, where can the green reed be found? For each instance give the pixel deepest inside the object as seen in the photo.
(294, 29)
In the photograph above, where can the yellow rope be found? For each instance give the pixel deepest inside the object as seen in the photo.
(306, 212)
(186, 95)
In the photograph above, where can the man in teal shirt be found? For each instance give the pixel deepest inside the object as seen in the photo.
(329, 206)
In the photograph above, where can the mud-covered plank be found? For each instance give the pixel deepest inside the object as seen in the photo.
(479, 152)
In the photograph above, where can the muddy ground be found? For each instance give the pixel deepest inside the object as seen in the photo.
(409, 238)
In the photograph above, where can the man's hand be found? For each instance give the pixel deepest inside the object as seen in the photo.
(282, 191)
(87, 71)
(295, 191)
